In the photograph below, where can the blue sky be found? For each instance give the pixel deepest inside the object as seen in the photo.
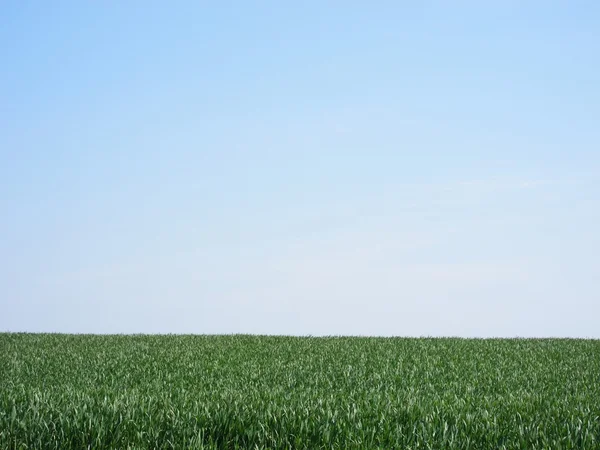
(364, 168)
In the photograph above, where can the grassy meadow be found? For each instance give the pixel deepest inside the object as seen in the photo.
(249, 392)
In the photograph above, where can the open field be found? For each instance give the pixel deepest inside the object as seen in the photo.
(78, 391)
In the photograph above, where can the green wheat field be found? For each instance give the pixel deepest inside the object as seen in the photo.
(254, 392)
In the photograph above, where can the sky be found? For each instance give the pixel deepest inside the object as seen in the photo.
(302, 168)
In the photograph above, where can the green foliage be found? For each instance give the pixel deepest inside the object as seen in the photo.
(228, 392)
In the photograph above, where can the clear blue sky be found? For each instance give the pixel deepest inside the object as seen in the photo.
(379, 168)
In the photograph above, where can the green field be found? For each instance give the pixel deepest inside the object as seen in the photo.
(84, 391)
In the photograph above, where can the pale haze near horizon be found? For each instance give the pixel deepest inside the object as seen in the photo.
(318, 168)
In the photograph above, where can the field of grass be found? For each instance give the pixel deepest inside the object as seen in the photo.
(76, 391)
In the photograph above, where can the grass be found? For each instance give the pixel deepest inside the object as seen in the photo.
(227, 392)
